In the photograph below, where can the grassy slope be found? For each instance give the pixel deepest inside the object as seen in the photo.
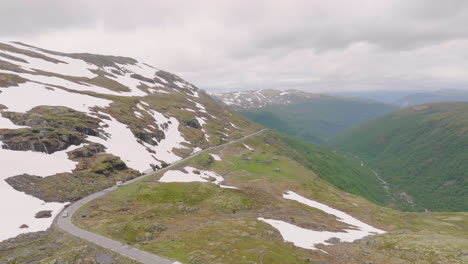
(421, 150)
(202, 223)
(317, 120)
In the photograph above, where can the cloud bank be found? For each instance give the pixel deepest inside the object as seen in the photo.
(319, 46)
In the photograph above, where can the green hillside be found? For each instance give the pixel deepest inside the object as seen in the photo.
(339, 169)
(317, 120)
(421, 151)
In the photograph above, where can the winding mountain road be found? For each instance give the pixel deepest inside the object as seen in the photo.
(65, 223)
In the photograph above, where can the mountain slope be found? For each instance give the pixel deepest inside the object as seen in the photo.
(309, 117)
(72, 124)
(421, 151)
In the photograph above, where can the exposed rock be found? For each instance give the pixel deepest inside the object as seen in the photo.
(141, 78)
(7, 80)
(87, 151)
(192, 123)
(24, 226)
(44, 214)
(333, 240)
(41, 140)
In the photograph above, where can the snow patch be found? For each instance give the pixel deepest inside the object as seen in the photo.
(14, 98)
(200, 120)
(25, 207)
(216, 157)
(191, 176)
(249, 148)
(308, 239)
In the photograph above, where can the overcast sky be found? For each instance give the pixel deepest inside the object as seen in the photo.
(319, 46)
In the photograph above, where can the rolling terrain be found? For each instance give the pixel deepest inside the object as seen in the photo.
(421, 151)
(71, 125)
(315, 118)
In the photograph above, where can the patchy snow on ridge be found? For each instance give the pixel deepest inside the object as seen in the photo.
(25, 207)
(306, 238)
(190, 176)
(77, 86)
(122, 143)
(69, 67)
(26, 96)
(199, 106)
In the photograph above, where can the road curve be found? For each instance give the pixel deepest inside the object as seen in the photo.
(65, 223)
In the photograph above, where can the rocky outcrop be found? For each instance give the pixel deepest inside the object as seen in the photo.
(44, 214)
(86, 152)
(93, 173)
(51, 129)
(45, 140)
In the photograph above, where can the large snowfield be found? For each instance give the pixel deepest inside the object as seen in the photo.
(55, 88)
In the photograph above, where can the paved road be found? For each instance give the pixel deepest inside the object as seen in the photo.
(66, 224)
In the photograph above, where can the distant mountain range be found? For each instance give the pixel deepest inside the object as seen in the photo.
(408, 98)
(306, 116)
(447, 95)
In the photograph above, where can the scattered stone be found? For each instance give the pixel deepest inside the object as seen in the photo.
(44, 214)
(275, 158)
(156, 228)
(187, 210)
(24, 226)
(196, 172)
(277, 169)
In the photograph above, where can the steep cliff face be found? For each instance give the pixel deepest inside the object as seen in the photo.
(68, 120)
